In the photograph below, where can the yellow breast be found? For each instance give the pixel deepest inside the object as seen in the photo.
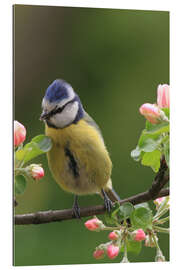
(79, 160)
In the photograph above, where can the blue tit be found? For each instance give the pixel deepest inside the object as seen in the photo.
(78, 159)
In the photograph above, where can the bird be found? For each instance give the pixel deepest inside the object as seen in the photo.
(78, 160)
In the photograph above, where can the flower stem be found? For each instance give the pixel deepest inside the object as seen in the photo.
(125, 258)
(161, 213)
(161, 221)
(19, 171)
(159, 229)
(155, 241)
(111, 228)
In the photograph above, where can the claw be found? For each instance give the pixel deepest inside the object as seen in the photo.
(76, 208)
(107, 202)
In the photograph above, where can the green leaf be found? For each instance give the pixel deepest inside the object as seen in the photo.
(111, 218)
(119, 213)
(152, 159)
(149, 145)
(157, 129)
(38, 145)
(145, 205)
(141, 218)
(44, 142)
(148, 142)
(115, 208)
(132, 246)
(126, 209)
(20, 184)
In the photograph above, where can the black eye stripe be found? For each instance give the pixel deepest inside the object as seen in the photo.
(58, 110)
(55, 111)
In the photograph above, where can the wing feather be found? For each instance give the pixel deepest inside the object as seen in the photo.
(91, 122)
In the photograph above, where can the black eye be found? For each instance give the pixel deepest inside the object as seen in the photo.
(56, 110)
(59, 110)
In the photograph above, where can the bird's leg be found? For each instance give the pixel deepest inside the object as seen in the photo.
(107, 202)
(76, 208)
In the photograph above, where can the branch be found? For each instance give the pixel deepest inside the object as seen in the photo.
(60, 215)
(160, 179)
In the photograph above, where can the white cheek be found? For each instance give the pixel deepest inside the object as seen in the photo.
(67, 116)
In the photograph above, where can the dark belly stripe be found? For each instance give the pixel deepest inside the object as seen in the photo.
(72, 162)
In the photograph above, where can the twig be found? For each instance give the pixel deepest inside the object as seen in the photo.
(60, 215)
(160, 179)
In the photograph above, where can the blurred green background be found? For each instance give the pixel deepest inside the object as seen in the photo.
(115, 60)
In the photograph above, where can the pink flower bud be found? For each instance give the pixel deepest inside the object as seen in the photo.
(163, 99)
(160, 200)
(93, 224)
(113, 236)
(36, 171)
(139, 235)
(112, 251)
(19, 133)
(151, 112)
(98, 254)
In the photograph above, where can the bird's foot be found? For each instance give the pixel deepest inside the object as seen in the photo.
(76, 208)
(107, 202)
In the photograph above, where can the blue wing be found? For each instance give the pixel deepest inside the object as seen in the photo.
(91, 122)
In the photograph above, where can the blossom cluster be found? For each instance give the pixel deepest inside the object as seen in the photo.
(23, 154)
(112, 248)
(34, 170)
(153, 112)
(123, 235)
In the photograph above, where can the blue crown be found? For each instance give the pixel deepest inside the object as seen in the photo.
(57, 91)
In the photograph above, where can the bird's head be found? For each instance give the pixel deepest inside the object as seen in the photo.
(61, 105)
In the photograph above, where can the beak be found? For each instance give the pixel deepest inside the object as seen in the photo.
(44, 116)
